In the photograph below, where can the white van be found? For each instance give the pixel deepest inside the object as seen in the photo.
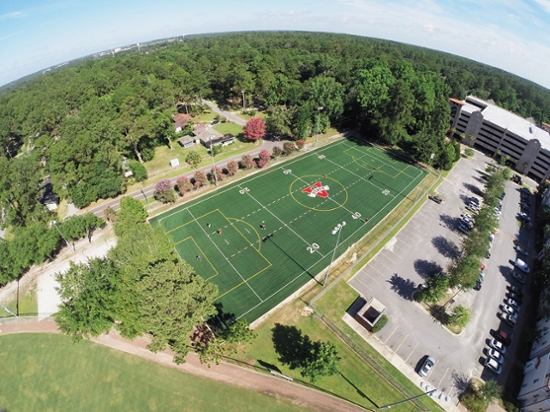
(521, 265)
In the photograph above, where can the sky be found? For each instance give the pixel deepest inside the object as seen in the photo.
(513, 35)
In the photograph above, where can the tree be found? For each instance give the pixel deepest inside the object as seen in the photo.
(278, 122)
(277, 151)
(184, 185)
(435, 288)
(232, 168)
(464, 272)
(139, 171)
(78, 226)
(322, 361)
(288, 148)
(130, 214)
(263, 158)
(247, 162)
(490, 390)
(227, 341)
(254, 129)
(460, 316)
(200, 179)
(193, 159)
(216, 175)
(87, 293)
(164, 191)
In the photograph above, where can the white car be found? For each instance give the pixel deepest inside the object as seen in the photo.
(512, 303)
(498, 345)
(521, 250)
(508, 309)
(493, 365)
(521, 265)
(496, 355)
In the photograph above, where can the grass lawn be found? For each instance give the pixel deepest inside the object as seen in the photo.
(28, 304)
(300, 203)
(247, 117)
(42, 372)
(229, 127)
(356, 381)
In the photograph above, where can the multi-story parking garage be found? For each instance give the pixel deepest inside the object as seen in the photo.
(500, 133)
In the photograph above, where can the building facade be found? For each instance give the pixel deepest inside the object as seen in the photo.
(500, 133)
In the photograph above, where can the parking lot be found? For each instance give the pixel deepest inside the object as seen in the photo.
(426, 245)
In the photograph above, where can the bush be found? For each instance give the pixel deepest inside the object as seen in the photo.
(184, 185)
(288, 148)
(232, 168)
(300, 144)
(164, 191)
(193, 159)
(247, 162)
(380, 324)
(469, 152)
(277, 151)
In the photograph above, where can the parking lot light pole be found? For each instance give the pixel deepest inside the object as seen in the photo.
(336, 231)
(213, 162)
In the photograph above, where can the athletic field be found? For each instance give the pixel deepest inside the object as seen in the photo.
(260, 239)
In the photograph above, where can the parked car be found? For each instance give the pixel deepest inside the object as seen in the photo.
(474, 199)
(523, 216)
(521, 250)
(515, 296)
(510, 319)
(519, 277)
(427, 366)
(508, 309)
(503, 337)
(512, 303)
(493, 365)
(514, 289)
(521, 265)
(498, 345)
(436, 199)
(503, 194)
(479, 284)
(496, 355)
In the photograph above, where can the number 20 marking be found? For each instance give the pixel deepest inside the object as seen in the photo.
(244, 190)
(313, 248)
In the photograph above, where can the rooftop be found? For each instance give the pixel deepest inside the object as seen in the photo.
(507, 120)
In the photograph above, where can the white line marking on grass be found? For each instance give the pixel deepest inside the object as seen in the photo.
(247, 231)
(280, 220)
(225, 257)
(226, 241)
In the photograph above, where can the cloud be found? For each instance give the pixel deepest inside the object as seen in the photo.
(7, 36)
(544, 4)
(12, 15)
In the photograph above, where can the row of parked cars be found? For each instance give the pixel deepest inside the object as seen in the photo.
(511, 305)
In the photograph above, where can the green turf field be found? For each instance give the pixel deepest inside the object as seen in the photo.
(300, 203)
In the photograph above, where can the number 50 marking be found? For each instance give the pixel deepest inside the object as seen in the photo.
(313, 248)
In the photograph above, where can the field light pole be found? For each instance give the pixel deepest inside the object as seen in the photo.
(54, 223)
(406, 400)
(213, 162)
(317, 124)
(337, 230)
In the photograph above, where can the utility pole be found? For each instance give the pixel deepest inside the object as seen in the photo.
(213, 162)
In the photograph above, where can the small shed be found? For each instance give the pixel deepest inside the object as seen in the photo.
(186, 141)
(370, 313)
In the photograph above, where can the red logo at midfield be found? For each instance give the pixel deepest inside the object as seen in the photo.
(317, 189)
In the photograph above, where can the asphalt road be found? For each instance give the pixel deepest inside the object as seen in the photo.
(425, 245)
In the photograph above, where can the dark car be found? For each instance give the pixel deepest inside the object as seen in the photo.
(426, 367)
(478, 285)
(436, 199)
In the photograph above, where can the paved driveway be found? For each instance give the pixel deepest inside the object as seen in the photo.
(424, 246)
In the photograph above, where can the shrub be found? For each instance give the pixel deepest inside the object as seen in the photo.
(288, 148)
(300, 144)
(460, 316)
(193, 158)
(469, 152)
(264, 155)
(262, 163)
(216, 173)
(380, 324)
(277, 151)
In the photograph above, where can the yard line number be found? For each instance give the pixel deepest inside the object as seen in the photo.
(287, 171)
(313, 248)
(385, 192)
(321, 156)
(244, 190)
(356, 215)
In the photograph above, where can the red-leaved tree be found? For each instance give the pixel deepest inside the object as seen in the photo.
(263, 158)
(218, 173)
(200, 179)
(232, 168)
(254, 129)
(247, 162)
(184, 185)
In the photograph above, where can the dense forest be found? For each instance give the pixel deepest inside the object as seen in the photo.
(76, 124)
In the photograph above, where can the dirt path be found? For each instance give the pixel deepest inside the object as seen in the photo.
(226, 373)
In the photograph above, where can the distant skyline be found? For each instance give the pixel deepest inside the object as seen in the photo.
(513, 35)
